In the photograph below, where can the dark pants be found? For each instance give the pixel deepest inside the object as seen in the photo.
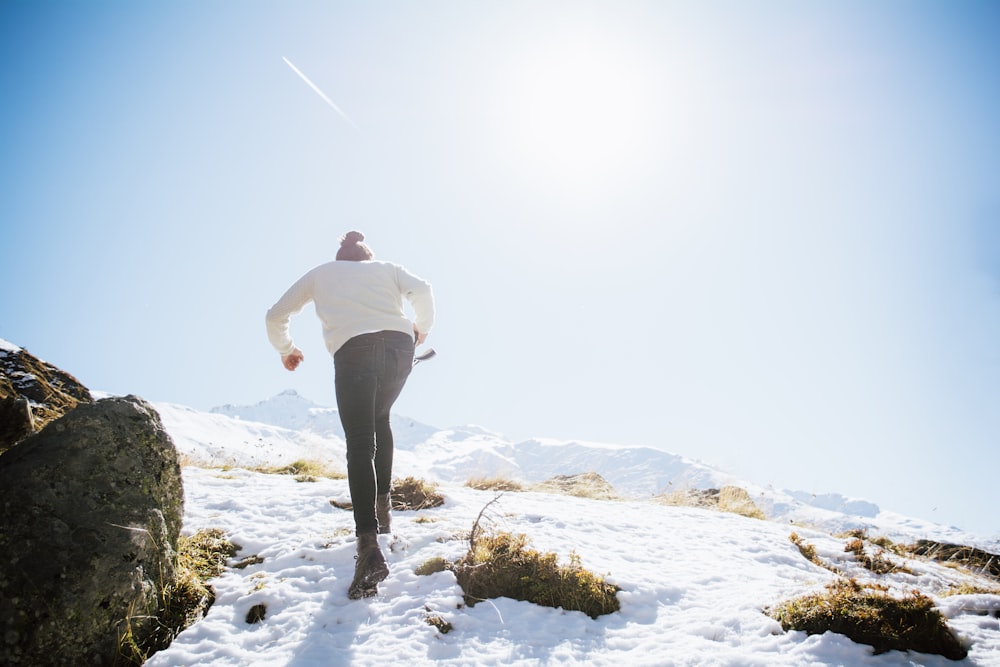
(370, 371)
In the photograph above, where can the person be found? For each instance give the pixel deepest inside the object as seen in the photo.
(359, 302)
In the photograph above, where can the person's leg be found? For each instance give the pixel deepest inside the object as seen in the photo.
(398, 362)
(396, 369)
(356, 382)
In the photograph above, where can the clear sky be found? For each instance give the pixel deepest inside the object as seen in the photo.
(765, 235)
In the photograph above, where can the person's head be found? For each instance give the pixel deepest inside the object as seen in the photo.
(353, 248)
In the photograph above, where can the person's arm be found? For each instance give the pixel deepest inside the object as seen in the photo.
(420, 295)
(277, 318)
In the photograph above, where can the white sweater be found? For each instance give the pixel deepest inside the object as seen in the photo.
(353, 298)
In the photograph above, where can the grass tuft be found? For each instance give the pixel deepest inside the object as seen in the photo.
(411, 493)
(501, 564)
(732, 499)
(736, 500)
(974, 559)
(870, 616)
(874, 562)
(806, 549)
(586, 485)
(304, 470)
(205, 553)
(187, 598)
(494, 484)
(432, 566)
(970, 589)
(504, 565)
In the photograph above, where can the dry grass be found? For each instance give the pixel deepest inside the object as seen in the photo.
(971, 558)
(502, 564)
(807, 550)
(704, 499)
(871, 616)
(200, 557)
(970, 589)
(494, 484)
(732, 499)
(874, 562)
(586, 485)
(431, 566)
(411, 493)
(304, 470)
(736, 500)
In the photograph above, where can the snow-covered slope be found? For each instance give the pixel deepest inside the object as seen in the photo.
(288, 426)
(217, 439)
(694, 582)
(693, 586)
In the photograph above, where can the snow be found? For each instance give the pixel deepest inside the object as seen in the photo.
(694, 582)
(7, 346)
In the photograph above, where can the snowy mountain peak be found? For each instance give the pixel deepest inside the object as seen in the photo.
(289, 409)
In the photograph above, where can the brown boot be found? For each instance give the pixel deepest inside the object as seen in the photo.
(383, 512)
(370, 568)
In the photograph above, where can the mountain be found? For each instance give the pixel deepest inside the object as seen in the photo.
(288, 426)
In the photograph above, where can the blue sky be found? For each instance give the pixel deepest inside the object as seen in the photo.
(765, 235)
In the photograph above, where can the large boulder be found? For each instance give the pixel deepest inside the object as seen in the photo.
(90, 516)
(33, 393)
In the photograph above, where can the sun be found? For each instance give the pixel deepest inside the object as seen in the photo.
(576, 114)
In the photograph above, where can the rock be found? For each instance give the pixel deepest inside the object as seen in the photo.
(16, 420)
(33, 393)
(585, 485)
(731, 499)
(703, 498)
(90, 516)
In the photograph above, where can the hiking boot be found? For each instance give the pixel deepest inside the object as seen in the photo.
(370, 568)
(383, 513)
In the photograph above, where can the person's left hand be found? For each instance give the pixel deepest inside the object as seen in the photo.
(418, 337)
(292, 360)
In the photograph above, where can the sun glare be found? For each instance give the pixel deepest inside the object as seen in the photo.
(577, 115)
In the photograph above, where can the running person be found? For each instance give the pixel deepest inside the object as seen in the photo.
(360, 304)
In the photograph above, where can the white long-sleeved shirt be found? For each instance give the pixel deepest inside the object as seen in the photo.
(353, 298)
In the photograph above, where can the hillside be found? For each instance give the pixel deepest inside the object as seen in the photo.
(288, 426)
(694, 582)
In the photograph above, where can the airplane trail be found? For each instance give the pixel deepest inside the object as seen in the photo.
(319, 92)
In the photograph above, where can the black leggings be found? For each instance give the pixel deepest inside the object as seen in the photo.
(369, 373)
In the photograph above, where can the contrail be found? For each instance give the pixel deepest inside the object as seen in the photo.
(319, 92)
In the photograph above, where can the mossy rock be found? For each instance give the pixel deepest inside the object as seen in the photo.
(90, 518)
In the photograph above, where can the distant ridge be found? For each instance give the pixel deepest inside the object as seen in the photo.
(290, 425)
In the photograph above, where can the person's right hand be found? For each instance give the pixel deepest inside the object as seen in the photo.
(292, 360)
(418, 337)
